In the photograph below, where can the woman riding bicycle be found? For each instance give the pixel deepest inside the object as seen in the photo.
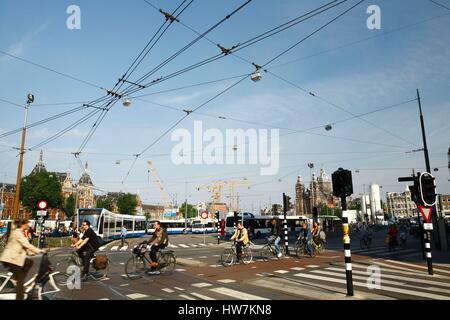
(14, 255)
(305, 237)
(241, 239)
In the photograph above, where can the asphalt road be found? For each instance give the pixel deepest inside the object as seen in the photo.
(402, 274)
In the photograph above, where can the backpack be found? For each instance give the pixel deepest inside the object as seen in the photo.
(165, 238)
(95, 243)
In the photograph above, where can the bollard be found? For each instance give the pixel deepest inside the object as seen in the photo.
(348, 256)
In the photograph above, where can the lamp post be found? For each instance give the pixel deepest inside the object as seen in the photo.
(15, 212)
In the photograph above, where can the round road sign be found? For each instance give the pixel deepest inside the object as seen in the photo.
(204, 215)
(42, 205)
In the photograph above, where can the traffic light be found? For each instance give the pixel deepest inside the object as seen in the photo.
(286, 202)
(415, 194)
(427, 189)
(315, 214)
(342, 183)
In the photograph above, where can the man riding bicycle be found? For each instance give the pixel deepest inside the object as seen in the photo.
(275, 236)
(86, 247)
(159, 241)
(241, 239)
(305, 237)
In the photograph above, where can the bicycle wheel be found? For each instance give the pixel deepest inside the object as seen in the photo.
(266, 253)
(135, 267)
(167, 263)
(8, 289)
(99, 274)
(58, 287)
(227, 257)
(247, 255)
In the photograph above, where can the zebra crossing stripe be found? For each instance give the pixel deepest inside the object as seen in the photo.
(203, 297)
(103, 299)
(168, 290)
(102, 248)
(297, 269)
(417, 293)
(177, 288)
(201, 285)
(114, 248)
(402, 270)
(226, 281)
(135, 296)
(236, 294)
(183, 245)
(193, 245)
(281, 271)
(124, 248)
(396, 277)
(202, 244)
(417, 266)
(184, 296)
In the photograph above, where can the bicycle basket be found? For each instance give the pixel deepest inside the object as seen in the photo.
(140, 249)
(100, 262)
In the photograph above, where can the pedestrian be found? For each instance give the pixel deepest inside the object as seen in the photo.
(14, 256)
(393, 231)
(275, 235)
(123, 235)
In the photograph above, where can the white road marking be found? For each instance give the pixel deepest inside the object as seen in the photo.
(298, 269)
(385, 288)
(226, 280)
(236, 294)
(122, 263)
(135, 296)
(416, 266)
(114, 248)
(312, 266)
(198, 295)
(124, 285)
(281, 271)
(201, 284)
(181, 270)
(214, 265)
(124, 248)
(103, 299)
(168, 290)
(102, 248)
(202, 244)
(203, 257)
(186, 297)
(216, 255)
(193, 245)
(177, 288)
(183, 245)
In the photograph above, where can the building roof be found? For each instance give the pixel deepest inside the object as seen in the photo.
(85, 177)
(39, 167)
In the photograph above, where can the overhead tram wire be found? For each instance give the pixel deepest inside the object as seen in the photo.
(221, 55)
(125, 77)
(52, 70)
(12, 103)
(334, 105)
(439, 4)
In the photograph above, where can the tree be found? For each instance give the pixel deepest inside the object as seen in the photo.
(69, 206)
(41, 186)
(104, 203)
(191, 211)
(127, 203)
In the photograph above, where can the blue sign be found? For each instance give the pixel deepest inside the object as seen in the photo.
(170, 215)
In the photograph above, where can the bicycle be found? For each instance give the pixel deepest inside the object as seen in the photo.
(101, 271)
(3, 241)
(366, 242)
(268, 251)
(301, 250)
(44, 285)
(229, 255)
(138, 264)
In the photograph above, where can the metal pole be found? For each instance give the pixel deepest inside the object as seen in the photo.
(218, 227)
(427, 165)
(15, 212)
(347, 251)
(428, 250)
(286, 237)
(185, 206)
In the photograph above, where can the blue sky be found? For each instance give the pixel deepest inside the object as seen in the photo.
(372, 73)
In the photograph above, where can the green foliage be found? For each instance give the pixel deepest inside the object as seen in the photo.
(41, 186)
(191, 210)
(354, 206)
(69, 206)
(127, 203)
(105, 203)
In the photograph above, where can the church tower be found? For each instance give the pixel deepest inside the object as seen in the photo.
(299, 197)
(85, 190)
(39, 167)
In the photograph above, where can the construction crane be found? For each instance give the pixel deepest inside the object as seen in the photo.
(162, 192)
(216, 189)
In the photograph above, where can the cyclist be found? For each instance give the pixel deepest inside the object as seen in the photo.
(315, 233)
(366, 234)
(14, 255)
(305, 237)
(403, 230)
(86, 247)
(159, 241)
(393, 231)
(241, 239)
(275, 236)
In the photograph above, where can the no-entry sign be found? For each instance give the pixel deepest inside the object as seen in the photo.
(42, 205)
(204, 215)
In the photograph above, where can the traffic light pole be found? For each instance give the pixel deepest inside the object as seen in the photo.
(286, 237)
(347, 251)
(428, 167)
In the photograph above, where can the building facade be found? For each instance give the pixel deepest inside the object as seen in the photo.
(400, 204)
(444, 204)
(319, 193)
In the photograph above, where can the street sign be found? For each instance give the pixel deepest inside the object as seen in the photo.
(428, 226)
(42, 205)
(426, 212)
(42, 213)
(204, 215)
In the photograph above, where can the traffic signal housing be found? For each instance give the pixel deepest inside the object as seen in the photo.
(427, 188)
(286, 202)
(342, 183)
